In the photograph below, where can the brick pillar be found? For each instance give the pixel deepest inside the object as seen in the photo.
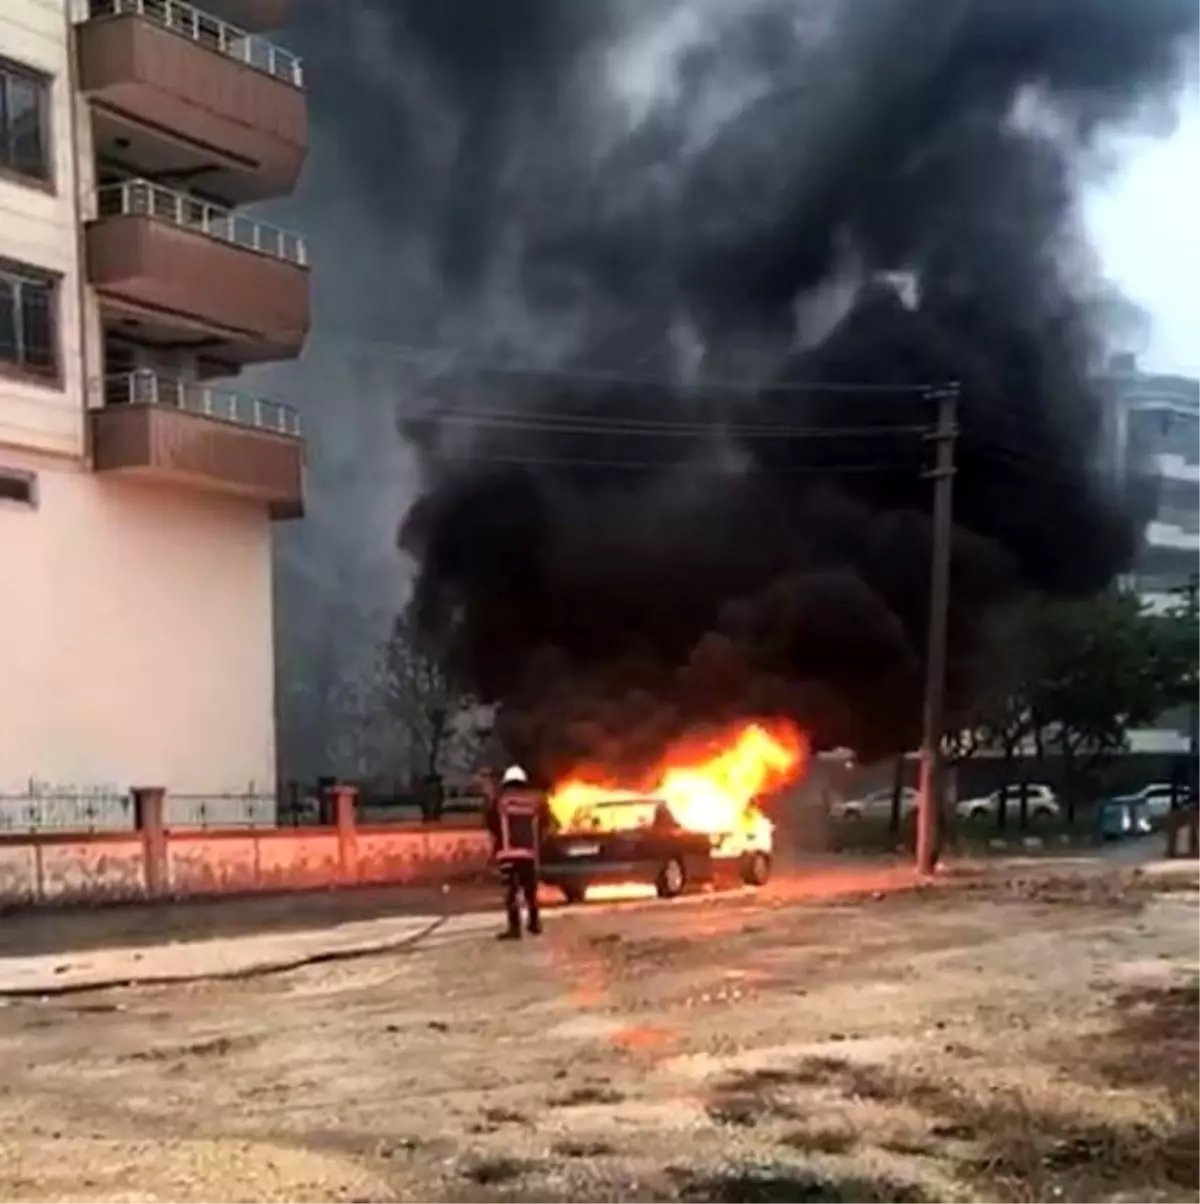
(345, 802)
(149, 819)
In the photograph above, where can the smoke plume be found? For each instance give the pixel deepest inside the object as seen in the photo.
(690, 267)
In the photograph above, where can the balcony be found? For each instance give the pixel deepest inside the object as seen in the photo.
(189, 276)
(194, 436)
(192, 100)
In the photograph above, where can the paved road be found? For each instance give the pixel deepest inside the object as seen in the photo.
(272, 935)
(33, 932)
(1138, 849)
(137, 924)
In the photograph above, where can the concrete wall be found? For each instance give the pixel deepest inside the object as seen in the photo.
(138, 621)
(109, 867)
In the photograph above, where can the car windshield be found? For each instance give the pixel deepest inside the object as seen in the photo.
(614, 814)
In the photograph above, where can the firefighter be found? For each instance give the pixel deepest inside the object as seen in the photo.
(515, 819)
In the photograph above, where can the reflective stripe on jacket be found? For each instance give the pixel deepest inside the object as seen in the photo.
(519, 813)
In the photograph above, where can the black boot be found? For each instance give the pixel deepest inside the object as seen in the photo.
(509, 934)
(535, 924)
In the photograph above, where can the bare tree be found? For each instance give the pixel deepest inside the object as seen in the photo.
(437, 729)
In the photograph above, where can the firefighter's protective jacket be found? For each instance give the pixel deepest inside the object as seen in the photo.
(516, 820)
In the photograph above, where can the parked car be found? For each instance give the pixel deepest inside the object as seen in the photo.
(1141, 811)
(1154, 801)
(876, 805)
(1120, 818)
(1042, 804)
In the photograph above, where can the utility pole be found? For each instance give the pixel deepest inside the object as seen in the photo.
(942, 474)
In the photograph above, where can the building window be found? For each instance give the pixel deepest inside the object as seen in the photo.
(28, 321)
(24, 120)
(18, 488)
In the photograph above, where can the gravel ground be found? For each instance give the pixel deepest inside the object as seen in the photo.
(1025, 1034)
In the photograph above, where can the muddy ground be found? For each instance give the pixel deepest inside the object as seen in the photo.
(1031, 1036)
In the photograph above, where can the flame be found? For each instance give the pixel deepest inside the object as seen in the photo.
(620, 892)
(709, 784)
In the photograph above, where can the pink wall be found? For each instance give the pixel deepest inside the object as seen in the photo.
(104, 867)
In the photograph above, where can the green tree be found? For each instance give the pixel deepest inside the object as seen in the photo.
(1073, 677)
(1098, 667)
(1002, 720)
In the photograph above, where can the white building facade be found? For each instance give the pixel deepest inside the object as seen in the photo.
(1156, 425)
(138, 485)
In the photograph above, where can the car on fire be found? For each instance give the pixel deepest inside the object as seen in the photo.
(622, 841)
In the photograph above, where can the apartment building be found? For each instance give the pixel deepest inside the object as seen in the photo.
(1156, 423)
(138, 481)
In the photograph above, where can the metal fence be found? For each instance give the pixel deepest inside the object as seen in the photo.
(249, 810)
(67, 809)
(43, 808)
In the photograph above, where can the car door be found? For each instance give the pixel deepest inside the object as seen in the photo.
(1156, 803)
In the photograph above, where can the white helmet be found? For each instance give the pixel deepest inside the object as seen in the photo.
(514, 775)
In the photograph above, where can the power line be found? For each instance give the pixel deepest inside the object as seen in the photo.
(598, 425)
(1040, 464)
(661, 466)
(1044, 465)
(458, 364)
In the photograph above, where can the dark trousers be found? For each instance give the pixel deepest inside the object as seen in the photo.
(521, 879)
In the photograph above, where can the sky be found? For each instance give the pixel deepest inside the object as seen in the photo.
(1148, 236)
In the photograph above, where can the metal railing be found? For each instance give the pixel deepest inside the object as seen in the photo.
(46, 807)
(148, 388)
(143, 198)
(210, 32)
(249, 810)
(57, 809)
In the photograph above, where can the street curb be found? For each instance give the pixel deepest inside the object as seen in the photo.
(255, 969)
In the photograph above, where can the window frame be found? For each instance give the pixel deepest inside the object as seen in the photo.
(50, 376)
(44, 84)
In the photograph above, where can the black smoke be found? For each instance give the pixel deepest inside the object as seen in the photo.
(673, 465)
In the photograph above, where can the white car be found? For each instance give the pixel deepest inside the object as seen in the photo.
(1042, 803)
(1152, 804)
(876, 805)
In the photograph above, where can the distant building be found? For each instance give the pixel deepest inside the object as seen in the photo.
(1155, 422)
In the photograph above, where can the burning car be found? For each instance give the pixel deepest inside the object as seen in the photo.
(700, 823)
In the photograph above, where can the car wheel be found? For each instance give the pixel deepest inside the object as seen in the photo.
(574, 894)
(756, 869)
(852, 816)
(671, 879)
(977, 815)
(1042, 814)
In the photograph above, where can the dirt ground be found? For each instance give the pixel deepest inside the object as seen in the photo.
(1031, 1035)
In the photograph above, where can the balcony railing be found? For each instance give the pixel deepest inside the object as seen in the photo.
(141, 198)
(147, 388)
(208, 31)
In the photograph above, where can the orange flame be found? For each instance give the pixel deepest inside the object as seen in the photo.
(709, 784)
